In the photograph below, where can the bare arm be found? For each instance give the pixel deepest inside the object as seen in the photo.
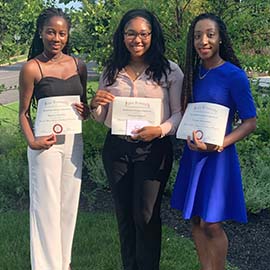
(244, 129)
(26, 86)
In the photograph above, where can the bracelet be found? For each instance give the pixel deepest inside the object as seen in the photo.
(161, 134)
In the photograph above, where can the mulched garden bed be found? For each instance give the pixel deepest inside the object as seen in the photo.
(249, 244)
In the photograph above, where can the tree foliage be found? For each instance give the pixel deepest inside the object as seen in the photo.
(247, 21)
(94, 24)
(93, 29)
(17, 24)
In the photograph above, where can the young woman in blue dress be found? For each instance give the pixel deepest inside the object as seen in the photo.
(208, 188)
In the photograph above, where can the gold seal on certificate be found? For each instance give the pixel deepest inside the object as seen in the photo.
(130, 113)
(57, 115)
(209, 120)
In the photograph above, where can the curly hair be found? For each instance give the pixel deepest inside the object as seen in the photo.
(192, 60)
(37, 44)
(154, 57)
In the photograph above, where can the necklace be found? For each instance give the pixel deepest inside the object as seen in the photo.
(53, 59)
(204, 75)
(136, 71)
(201, 77)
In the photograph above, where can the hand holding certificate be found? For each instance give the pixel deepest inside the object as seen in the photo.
(57, 115)
(209, 120)
(131, 113)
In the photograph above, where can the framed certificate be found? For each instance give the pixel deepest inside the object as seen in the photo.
(130, 113)
(209, 120)
(57, 115)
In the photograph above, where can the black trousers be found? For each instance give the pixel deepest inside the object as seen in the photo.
(137, 173)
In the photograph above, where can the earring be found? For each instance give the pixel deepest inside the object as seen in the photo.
(40, 36)
(220, 42)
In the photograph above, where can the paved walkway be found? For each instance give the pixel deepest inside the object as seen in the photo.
(9, 77)
(9, 96)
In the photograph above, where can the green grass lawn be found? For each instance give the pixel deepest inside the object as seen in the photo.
(96, 245)
(9, 115)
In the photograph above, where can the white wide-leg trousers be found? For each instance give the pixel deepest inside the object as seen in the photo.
(55, 181)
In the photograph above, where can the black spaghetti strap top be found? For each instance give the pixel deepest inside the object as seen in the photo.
(49, 86)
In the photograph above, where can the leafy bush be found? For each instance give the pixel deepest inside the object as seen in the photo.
(256, 185)
(254, 154)
(96, 172)
(255, 63)
(171, 181)
(262, 100)
(94, 136)
(14, 170)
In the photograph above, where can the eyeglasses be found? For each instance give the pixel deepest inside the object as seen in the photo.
(130, 35)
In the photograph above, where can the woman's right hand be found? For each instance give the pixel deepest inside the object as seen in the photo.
(197, 145)
(102, 97)
(43, 142)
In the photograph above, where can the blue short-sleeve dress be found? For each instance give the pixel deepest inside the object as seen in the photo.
(209, 184)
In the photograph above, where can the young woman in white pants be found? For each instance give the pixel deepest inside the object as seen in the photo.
(55, 161)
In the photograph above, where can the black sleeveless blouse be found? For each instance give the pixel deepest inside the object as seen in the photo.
(49, 86)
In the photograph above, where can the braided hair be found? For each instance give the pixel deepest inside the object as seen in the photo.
(192, 61)
(154, 57)
(37, 44)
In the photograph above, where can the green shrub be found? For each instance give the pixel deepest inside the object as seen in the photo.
(14, 171)
(96, 170)
(171, 181)
(257, 186)
(254, 154)
(96, 178)
(255, 63)
(94, 136)
(254, 158)
(262, 100)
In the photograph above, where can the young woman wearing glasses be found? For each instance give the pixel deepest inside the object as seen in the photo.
(138, 166)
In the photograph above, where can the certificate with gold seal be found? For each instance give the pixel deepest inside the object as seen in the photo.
(57, 115)
(130, 113)
(209, 120)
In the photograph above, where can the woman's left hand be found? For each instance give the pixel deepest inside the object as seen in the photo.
(147, 133)
(197, 145)
(82, 109)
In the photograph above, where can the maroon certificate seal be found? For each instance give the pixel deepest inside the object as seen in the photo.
(199, 134)
(57, 129)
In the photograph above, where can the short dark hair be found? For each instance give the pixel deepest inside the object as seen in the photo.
(154, 57)
(37, 44)
(192, 59)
